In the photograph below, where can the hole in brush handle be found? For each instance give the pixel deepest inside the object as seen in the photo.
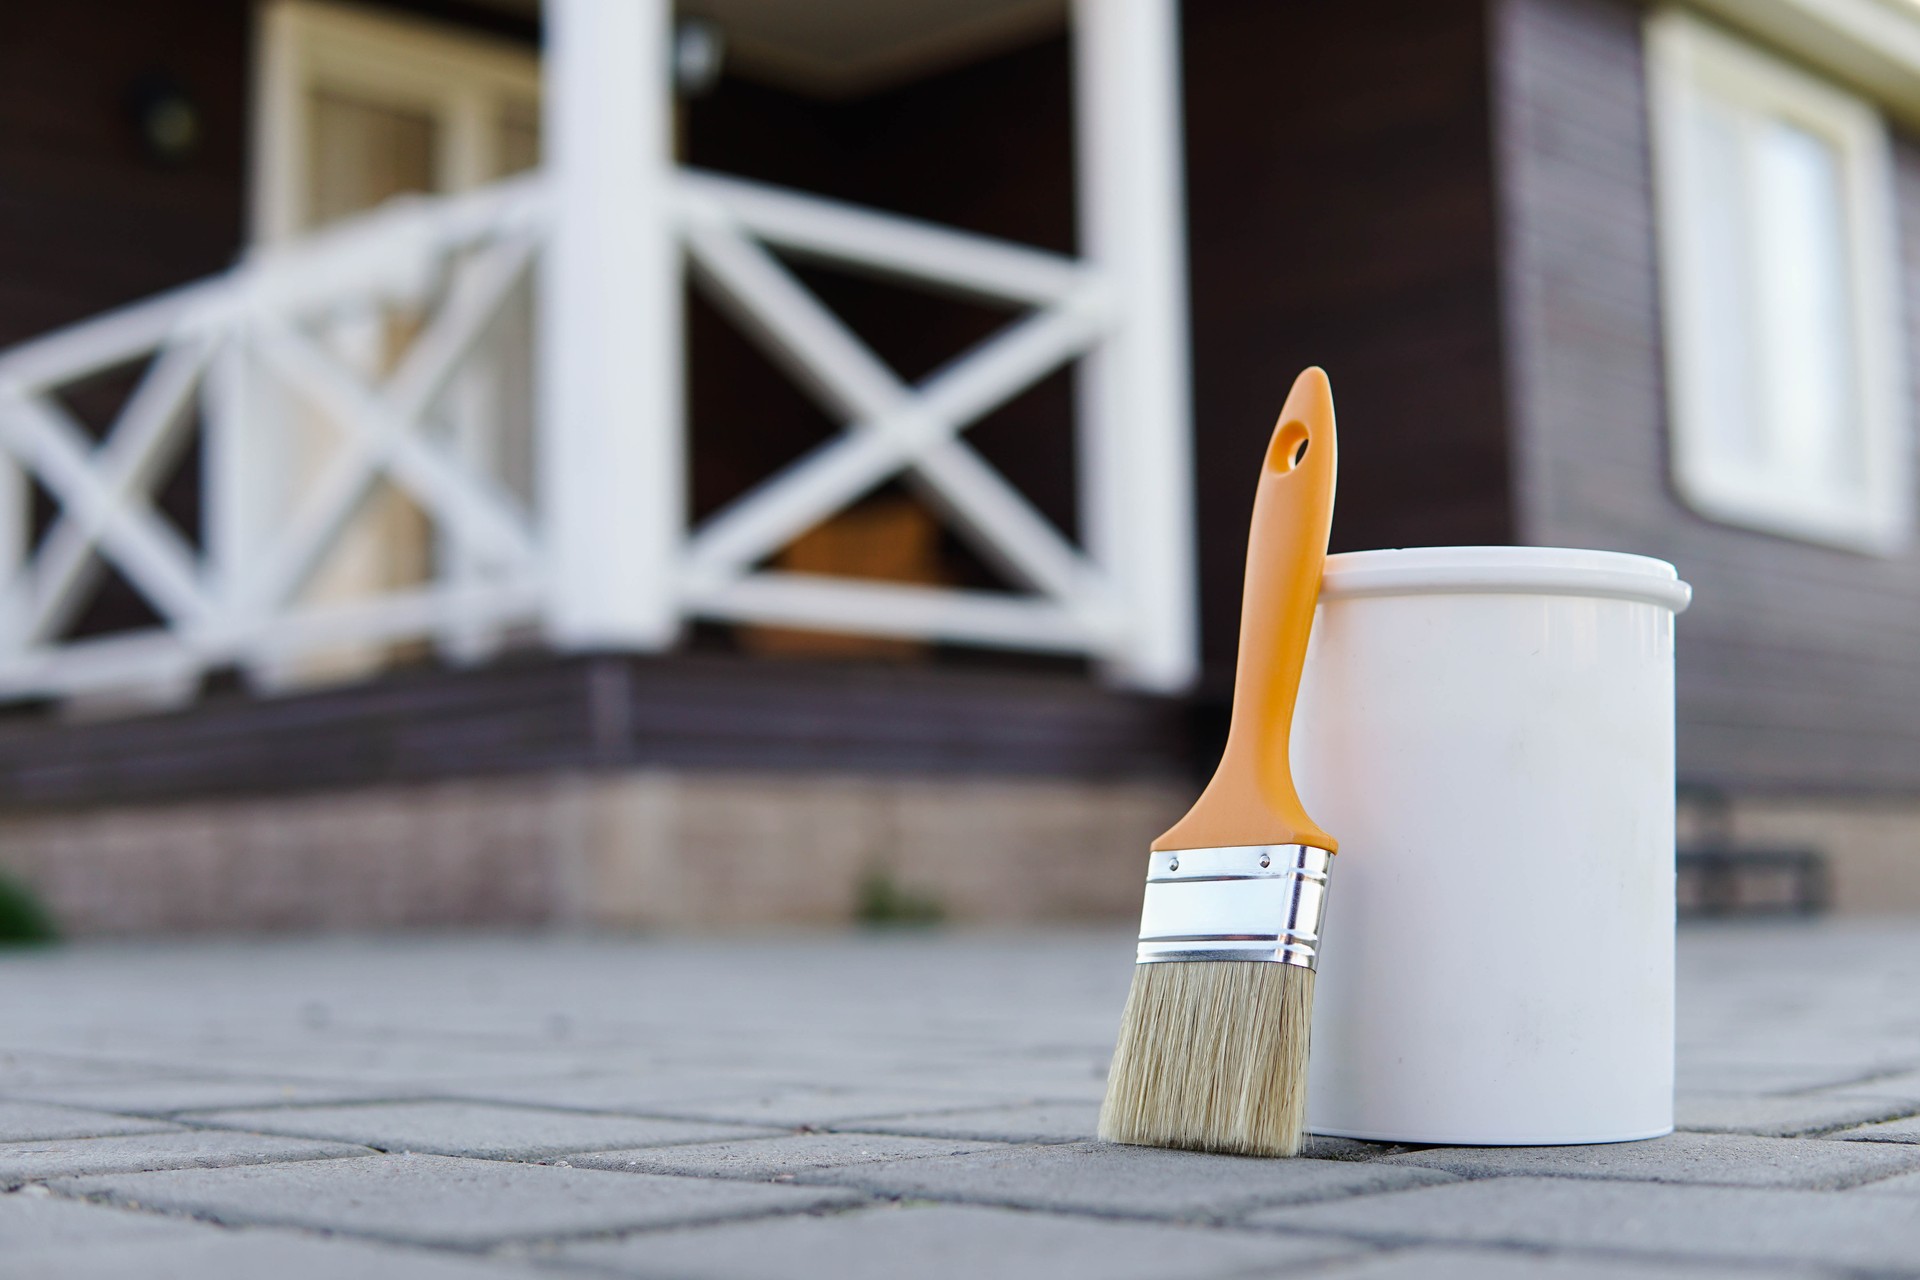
(1289, 447)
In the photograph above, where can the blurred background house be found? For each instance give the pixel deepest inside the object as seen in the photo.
(493, 461)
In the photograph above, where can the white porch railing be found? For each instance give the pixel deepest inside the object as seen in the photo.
(306, 341)
(220, 353)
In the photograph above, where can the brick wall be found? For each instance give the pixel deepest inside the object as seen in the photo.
(646, 848)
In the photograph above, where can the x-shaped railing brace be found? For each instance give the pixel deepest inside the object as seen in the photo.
(383, 436)
(893, 427)
(102, 491)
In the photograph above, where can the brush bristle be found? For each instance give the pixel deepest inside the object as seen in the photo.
(1212, 1057)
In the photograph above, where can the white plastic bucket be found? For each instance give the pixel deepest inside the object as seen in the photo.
(1488, 731)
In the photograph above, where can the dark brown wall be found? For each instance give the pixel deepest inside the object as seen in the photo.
(86, 220)
(1799, 666)
(1340, 207)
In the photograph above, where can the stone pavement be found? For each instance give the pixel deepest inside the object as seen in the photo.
(880, 1105)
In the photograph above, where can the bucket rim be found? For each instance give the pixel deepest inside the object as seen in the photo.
(1495, 570)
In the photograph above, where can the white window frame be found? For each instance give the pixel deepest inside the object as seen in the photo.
(1687, 58)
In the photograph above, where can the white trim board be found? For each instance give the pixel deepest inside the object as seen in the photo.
(1872, 46)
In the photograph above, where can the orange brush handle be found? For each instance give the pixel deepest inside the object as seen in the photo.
(1251, 799)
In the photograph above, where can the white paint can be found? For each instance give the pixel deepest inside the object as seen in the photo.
(1488, 731)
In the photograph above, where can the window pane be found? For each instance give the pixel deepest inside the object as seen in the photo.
(1719, 237)
(1804, 303)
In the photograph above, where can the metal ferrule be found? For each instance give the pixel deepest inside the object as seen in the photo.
(1247, 902)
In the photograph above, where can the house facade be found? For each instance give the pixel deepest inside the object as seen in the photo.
(493, 462)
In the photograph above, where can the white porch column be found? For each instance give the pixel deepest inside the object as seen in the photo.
(1135, 427)
(610, 429)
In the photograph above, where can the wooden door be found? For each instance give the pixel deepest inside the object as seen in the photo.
(357, 108)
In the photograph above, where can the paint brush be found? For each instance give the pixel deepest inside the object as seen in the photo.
(1212, 1054)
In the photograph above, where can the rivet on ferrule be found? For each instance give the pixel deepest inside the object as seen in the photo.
(1244, 902)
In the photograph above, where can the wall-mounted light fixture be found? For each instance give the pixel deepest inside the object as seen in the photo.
(699, 50)
(166, 120)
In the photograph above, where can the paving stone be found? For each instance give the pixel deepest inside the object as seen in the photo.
(1321, 1147)
(23, 1072)
(402, 1064)
(1098, 1177)
(474, 1128)
(32, 1219)
(1905, 1129)
(1015, 1085)
(1900, 1086)
(1905, 1184)
(1760, 1078)
(170, 1097)
(1484, 1264)
(26, 1121)
(1755, 1047)
(138, 1153)
(1034, 1122)
(951, 1242)
(1726, 1159)
(640, 1092)
(818, 1108)
(213, 1253)
(1058, 1122)
(765, 1159)
(1779, 1117)
(786, 1104)
(446, 1200)
(1750, 1226)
